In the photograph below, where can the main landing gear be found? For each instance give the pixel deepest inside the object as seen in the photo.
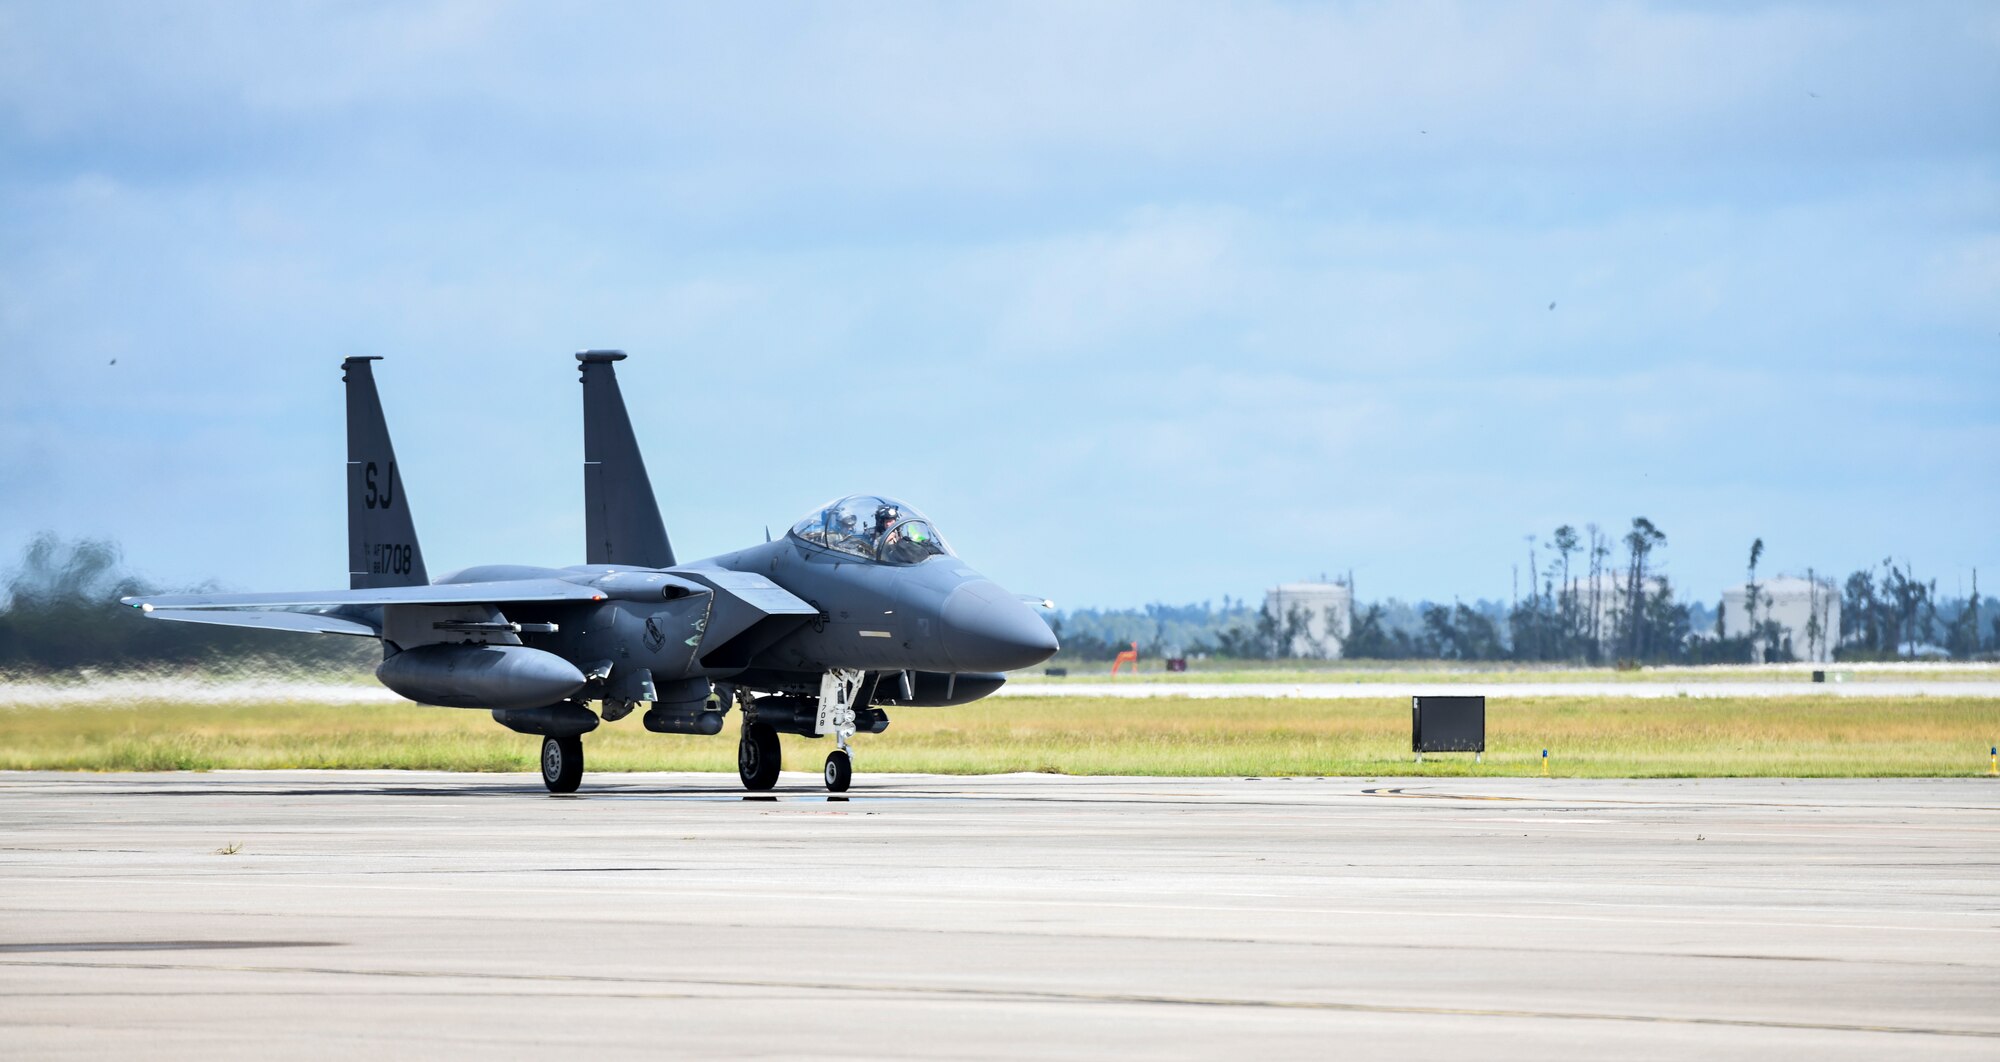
(758, 756)
(561, 727)
(562, 763)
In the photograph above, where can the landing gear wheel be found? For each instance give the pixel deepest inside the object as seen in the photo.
(839, 770)
(562, 763)
(758, 757)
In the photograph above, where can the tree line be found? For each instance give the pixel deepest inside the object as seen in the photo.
(61, 614)
(1592, 598)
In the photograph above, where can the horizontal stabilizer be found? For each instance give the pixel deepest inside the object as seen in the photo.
(512, 590)
(301, 622)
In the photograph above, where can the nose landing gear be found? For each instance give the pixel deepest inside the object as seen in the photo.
(838, 691)
(839, 770)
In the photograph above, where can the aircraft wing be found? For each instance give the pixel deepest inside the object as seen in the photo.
(302, 622)
(512, 591)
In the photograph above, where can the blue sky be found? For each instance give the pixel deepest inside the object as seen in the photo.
(1139, 301)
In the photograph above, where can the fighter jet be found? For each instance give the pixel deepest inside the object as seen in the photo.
(860, 607)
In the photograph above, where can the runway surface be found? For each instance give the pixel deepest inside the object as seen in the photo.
(359, 914)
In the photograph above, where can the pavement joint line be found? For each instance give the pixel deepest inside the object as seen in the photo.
(1685, 804)
(739, 894)
(607, 788)
(1019, 994)
(1014, 933)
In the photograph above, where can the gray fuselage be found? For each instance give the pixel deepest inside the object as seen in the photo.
(935, 616)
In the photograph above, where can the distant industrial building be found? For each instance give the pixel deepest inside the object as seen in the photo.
(1600, 604)
(1323, 611)
(1793, 604)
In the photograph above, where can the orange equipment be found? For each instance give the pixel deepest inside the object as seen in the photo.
(1129, 656)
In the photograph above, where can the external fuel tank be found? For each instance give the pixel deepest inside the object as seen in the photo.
(481, 676)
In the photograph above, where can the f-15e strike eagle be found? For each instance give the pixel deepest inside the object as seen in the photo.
(861, 607)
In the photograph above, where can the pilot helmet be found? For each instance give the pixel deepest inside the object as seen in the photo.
(885, 516)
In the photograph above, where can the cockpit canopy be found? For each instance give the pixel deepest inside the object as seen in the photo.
(879, 529)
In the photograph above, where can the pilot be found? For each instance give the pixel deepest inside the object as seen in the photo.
(883, 534)
(908, 543)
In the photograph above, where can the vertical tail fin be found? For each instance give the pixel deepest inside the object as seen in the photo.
(621, 519)
(381, 540)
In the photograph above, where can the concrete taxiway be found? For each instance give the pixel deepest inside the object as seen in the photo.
(346, 914)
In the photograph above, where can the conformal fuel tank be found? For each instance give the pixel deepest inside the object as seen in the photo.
(480, 676)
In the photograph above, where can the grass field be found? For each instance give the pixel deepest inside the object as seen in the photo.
(1805, 736)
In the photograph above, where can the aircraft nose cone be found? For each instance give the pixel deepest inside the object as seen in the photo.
(988, 629)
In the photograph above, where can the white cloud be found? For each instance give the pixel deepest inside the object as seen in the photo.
(1156, 264)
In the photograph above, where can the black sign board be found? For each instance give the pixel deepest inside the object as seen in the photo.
(1447, 724)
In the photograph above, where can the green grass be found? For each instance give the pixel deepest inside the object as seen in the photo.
(1804, 736)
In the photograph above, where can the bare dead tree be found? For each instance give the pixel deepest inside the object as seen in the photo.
(1640, 541)
(1599, 552)
(1566, 544)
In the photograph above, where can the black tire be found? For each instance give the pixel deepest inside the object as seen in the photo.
(839, 770)
(562, 763)
(758, 757)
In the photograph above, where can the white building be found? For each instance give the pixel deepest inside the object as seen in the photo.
(1600, 604)
(1325, 608)
(1793, 604)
